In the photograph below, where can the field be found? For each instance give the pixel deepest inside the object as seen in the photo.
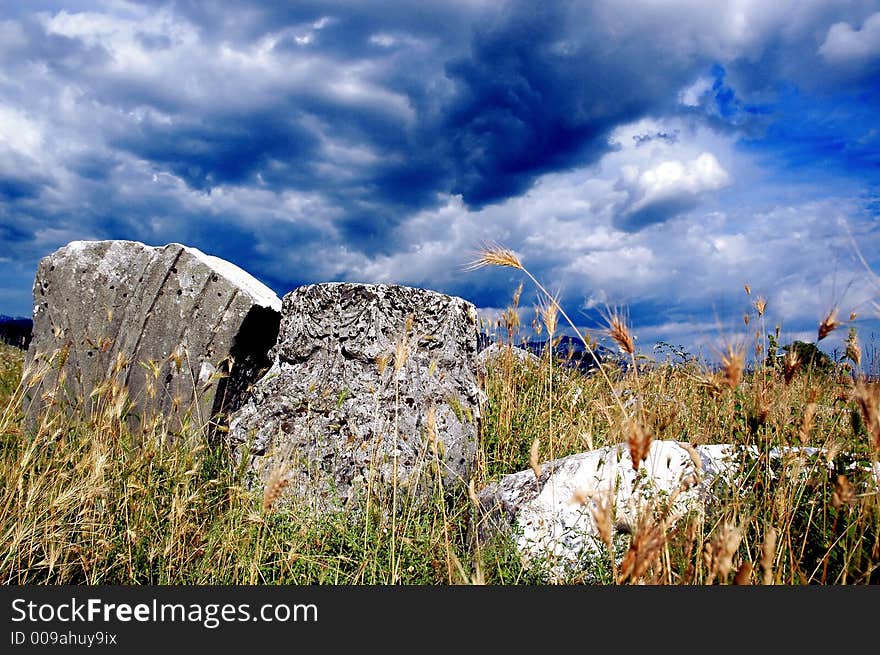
(84, 501)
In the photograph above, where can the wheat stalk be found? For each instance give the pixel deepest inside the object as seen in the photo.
(494, 254)
(534, 460)
(275, 485)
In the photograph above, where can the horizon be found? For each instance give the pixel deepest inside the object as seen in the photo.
(655, 158)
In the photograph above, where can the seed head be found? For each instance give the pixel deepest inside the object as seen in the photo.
(618, 331)
(790, 364)
(274, 486)
(639, 441)
(431, 428)
(721, 550)
(550, 315)
(768, 553)
(829, 324)
(807, 424)
(401, 354)
(472, 493)
(579, 497)
(696, 460)
(867, 395)
(742, 574)
(853, 350)
(643, 551)
(732, 363)
(760, 305)
(534, 461)
(177, 357)
(495, 255)
(603, 516)
(844, 493)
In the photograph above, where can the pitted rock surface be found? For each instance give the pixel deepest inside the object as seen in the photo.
(162, 322)
(551, 517)
(357, 372)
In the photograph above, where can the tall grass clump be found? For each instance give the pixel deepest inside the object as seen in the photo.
(87, 499)
(800, 507)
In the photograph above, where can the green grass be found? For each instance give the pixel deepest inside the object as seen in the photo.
(11, 362)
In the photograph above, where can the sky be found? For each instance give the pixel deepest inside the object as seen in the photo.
(639, 156)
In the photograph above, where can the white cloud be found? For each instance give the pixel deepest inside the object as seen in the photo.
(674, 178)
(843, 43)
(121, 36)
(564, 226)
(225, 73)
(308, 37)
(20, 133)
(93, 28)
(383, 40)
(691, 95)
(352, 88)
(720, 29)
(796, 255)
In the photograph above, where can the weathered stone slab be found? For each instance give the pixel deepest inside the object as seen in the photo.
(366, 381)
(551, 517)
(161, 322)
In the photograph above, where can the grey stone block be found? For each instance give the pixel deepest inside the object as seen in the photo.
(160, 322)
(356, 374)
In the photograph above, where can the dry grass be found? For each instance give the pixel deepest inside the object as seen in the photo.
(620, 333)
(785, 520)
(87, 502)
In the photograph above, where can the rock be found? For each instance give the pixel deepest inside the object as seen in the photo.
(496, 352)
(163, 322)
(551, 519)
(551, 516)
(358, 374)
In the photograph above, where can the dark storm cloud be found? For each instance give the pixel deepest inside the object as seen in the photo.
(658, 211)
(540, 91)
(12, 233)
(20, 178)
(211, 129)
(92, 166)
(525, 90)
(220, 149)
(495, 107)
(16, 188)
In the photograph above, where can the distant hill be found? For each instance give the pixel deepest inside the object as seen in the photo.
(16, 331)
(570, 351)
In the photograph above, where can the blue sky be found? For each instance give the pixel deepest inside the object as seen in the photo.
(650, 155)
